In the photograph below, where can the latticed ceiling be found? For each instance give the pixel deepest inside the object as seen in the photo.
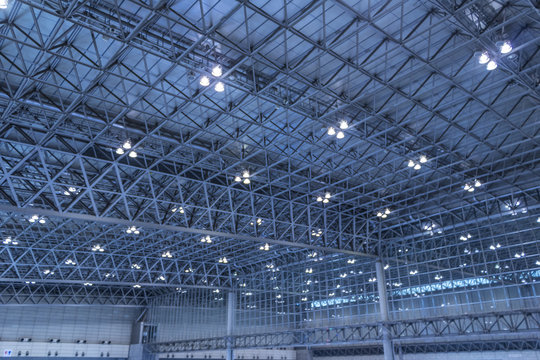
(450, 148)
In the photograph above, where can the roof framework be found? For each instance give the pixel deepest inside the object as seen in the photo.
(80, 78)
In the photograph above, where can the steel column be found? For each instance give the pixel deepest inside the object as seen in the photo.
(231, 308)
(385, 317)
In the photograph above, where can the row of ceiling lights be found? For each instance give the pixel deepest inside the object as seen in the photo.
(217, 71)
(126, 146)
(416, 164)
(485, 58)
(343, 125)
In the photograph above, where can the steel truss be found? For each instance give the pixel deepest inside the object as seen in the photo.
(504, 326)
(78, 78)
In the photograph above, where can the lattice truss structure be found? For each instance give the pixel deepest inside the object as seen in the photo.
(448, 147)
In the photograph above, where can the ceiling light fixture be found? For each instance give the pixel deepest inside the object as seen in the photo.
(483, 58)
(8, 241)
(132, 154)
(504, 46)
(205, 81)
(491, 65)
(340, 135)
(133, 230)
(4, 4)
(179, 209)
(423, 159)
(98, 247)
(219, 87)
(331, 131)
(120, 151)
(217, 71)
(343, 125)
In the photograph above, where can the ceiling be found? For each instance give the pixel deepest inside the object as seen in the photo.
(79, 78)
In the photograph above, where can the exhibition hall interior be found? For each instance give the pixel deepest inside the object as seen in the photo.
(270, 179)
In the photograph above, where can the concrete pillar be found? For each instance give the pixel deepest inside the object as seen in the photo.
(385, 316)
(231, 307)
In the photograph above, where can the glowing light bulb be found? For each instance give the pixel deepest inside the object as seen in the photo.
(491, 65)
(423, 159)
(217, 71)
(504, 47)
(483, 58)
(410, 163)
(325, 201)
(132, 154)
(205, 80)
(343, 125)
(327, 195)
(4, 4)
(120, 151)
(319, 198)
(247, 181)
(245, 173)
(477, 183)
(340, 135)
(331, 131)
(237, 179)
(127, 144)
(417, 167)
(219, 87)
(387, 211)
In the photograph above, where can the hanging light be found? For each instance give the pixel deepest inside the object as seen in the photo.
(4, 4)
(127, 144)
(343, 124)
(237, 178)
(504, 46)
(477, 183)
(387, 211)
(417, 167)
(491, 65)
(340, 135)
(245, 173)
(410, 163)
(247, 181)
(423, 159)
(219, 87)
(327, 195)
(325, 201)
(205, 80)
(483, 58)
(132, 154)
(319, 198)
(331, 131)
(217, 71)
(120, 151)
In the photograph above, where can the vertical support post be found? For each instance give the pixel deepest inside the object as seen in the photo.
(231, 307)
(385, 316)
